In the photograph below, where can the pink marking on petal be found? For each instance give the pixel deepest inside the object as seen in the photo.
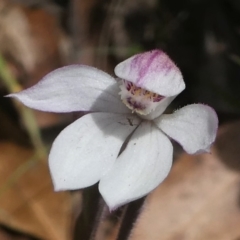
(153, 71)
(151, 62)
(138, 62)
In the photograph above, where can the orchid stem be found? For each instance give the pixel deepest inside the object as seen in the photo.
(89, 219)
(131, 215)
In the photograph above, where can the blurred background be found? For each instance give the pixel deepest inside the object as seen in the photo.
(200, 200)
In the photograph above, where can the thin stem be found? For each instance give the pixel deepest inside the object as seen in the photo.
(89, 219)
(27, 115)
(129, 218)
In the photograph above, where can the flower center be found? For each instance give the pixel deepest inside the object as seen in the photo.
(137, 99)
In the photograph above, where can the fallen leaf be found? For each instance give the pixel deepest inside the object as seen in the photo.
(199, 200)
(28, 203)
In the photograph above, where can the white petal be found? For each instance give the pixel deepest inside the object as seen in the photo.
(87, 148)
(153, 71)
(194, 127)
(161, 107)
(74, 88)
(142, 166)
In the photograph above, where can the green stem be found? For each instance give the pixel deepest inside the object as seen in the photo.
(26, 114)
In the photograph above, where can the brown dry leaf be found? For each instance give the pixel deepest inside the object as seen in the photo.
(33, 44)
(29, 204)
(198, 201)
(31, 37)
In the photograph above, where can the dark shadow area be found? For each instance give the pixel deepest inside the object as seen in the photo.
(13, 234)
(227, 145)
(228, 148)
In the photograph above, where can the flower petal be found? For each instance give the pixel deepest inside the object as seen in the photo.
(142, 166)
(153, 71)
(161, 107)
(87, 148)
(74, 88)
(194, 127)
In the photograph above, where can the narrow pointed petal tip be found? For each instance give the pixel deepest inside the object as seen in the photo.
(194, 127)
(153, 71)
(74, 88)
(142, 166)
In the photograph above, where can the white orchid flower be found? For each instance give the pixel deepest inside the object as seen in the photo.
(90, 149)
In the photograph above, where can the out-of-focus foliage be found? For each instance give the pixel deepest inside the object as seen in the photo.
(202, 37)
